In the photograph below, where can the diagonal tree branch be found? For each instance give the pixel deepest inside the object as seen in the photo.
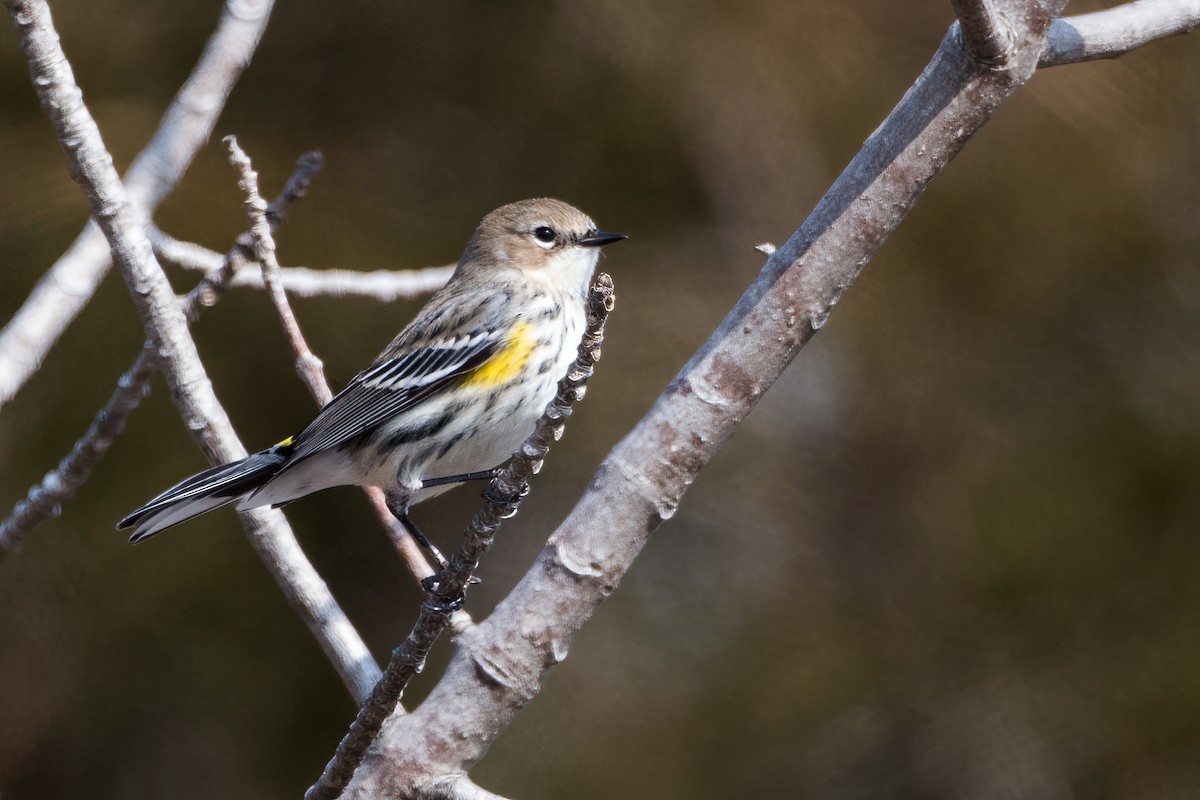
(69, 284)
(122, 224)
(1115, 31)
(499, 666)
(60, 484)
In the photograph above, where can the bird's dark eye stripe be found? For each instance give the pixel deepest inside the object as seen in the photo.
(544, 233)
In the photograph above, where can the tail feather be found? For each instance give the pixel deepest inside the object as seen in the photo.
(204, 491)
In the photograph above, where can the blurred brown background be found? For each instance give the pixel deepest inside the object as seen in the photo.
(952, 555)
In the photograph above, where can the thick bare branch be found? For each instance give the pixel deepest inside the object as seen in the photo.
(122, 224)
(383, 285)
(44, 500)
(69, 284)
(499, 666)
(501, 500)
(1114, 32)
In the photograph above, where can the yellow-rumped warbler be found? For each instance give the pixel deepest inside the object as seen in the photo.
(453, 395)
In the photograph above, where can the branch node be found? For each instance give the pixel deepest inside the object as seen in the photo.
(985, 32)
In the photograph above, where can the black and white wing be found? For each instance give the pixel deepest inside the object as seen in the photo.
(393, 385)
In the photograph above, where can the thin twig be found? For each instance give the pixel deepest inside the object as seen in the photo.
(69, 284)
(501, 500)
(1115, 31)
(382, 285)
(308, 366)
(60, 484)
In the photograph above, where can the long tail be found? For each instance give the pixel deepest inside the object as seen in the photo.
(203, 492)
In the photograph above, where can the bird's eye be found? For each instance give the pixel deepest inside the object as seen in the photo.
(544, 235)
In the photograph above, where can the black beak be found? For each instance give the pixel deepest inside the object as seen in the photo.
(599, 238)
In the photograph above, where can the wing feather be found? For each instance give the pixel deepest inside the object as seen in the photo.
(392, 386)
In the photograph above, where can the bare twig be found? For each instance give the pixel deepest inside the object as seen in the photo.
(383, 285)
(501, 499)
(308, 365)
(983, 31)
(68, 285)
(1115, 31)
(91, 166)
(44, 500)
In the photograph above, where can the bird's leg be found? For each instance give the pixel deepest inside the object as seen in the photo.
(400, 510)
(483, 474)
(430, 582)
(428, 547)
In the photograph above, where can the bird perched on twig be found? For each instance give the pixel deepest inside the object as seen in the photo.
(453, 395)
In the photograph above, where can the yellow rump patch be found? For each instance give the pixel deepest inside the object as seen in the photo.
(508, 362)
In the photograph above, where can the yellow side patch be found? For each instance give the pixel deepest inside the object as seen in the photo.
(285, 442)
(508, 362)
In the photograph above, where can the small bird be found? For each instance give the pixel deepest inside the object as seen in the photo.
(454, 394)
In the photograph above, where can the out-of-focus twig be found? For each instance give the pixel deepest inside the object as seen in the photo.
(501, 500)
(69, 284)
(383, 285)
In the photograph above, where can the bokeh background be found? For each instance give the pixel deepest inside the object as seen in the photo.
(952, 554)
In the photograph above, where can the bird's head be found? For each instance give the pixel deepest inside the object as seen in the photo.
(545, 239)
